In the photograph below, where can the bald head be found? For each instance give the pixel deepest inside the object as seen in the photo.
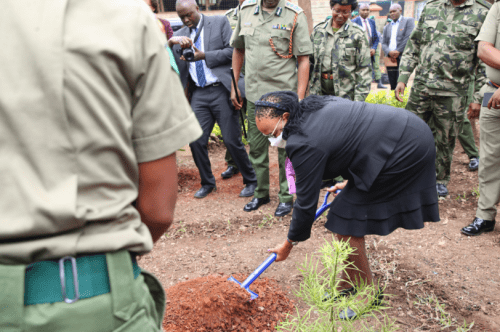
(188, 12)
(395, 12)
(364, 10)
(396, 6)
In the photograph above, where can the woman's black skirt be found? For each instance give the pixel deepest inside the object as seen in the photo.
(403, 195)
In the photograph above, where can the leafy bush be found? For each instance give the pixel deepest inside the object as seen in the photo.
(216, 131)
(386, 97)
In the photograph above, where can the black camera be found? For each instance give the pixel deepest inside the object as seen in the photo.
(188, 53)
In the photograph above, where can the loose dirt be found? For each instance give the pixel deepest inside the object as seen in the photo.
(437, 263)
(213, 303)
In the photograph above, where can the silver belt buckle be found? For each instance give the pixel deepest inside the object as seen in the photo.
(63, 278)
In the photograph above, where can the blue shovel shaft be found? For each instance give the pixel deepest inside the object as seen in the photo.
(258, 271)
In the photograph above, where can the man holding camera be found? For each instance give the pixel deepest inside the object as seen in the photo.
(203, 54)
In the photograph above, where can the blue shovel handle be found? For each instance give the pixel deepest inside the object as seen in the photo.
(258, 271)
(324, 206)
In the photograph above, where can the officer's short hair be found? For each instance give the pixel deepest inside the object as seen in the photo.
(353, 3)
(155, 5)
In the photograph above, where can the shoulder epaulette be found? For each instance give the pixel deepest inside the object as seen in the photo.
(484, 3)
(229, 11)
(356, 26)
(320, 24)
(248, 3)
(431, 1)
(293, 7)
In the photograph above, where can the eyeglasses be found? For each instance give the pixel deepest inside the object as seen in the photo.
(272, 134)
(345, 12)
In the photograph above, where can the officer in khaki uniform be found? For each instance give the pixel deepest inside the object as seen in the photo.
(273, 38)
(89, 123)
(489, 122)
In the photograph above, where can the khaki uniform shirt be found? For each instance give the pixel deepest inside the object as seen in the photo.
(232, 16)
(88, 93)
(265, 70)
(490, 32)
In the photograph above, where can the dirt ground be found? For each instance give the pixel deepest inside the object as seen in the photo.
(215, 236)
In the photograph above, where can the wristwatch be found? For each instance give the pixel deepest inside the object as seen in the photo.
(293, 243)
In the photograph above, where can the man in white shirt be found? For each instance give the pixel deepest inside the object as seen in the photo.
(394, 39)
(371, 34)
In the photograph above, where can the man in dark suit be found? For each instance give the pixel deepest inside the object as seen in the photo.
(371, 33)
(394, 39)
(208, 79)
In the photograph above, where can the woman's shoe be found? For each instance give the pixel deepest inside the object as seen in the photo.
(349, 314)
(343, 293)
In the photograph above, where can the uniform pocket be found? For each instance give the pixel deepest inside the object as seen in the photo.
(139, 322)
(428, 30)
(247, 34)
(157, 293)
(281, 40)
(349, 56)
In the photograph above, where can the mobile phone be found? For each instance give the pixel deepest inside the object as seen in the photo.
(486, 98)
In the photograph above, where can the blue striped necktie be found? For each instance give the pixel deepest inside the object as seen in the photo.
(200, 73)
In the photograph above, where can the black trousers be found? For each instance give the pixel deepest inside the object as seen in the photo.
(393, 74)
(212, 104)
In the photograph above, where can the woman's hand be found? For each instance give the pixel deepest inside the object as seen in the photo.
(282, 251)
(338, 186)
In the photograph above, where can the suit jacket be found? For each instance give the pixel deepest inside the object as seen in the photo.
(365, 138)
(406, 26)
(373, 28)
(218, 54)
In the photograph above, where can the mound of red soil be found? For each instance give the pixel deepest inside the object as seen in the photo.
(215, 304)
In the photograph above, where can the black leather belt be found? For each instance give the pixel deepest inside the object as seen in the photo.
(493, 84)
(210, 85)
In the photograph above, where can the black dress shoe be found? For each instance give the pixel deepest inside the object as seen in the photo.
(204, 191)
(474, 164)
(248, 190)
(255, 203)
(283, 209)
(349, 314)
(343, 293)
(229, 172)
(441, 189)
(478, 227)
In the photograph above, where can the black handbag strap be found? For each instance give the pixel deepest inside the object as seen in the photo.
(199, 30)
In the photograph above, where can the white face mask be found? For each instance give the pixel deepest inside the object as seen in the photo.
(278, 141)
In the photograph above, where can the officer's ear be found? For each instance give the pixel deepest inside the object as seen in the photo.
(286, 116)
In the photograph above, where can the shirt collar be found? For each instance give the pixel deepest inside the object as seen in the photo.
(199, 24)
(399, 19)
(329, 27)
(467, 3)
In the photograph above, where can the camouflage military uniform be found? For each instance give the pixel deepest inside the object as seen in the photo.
(346, 56)
(443, 52)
